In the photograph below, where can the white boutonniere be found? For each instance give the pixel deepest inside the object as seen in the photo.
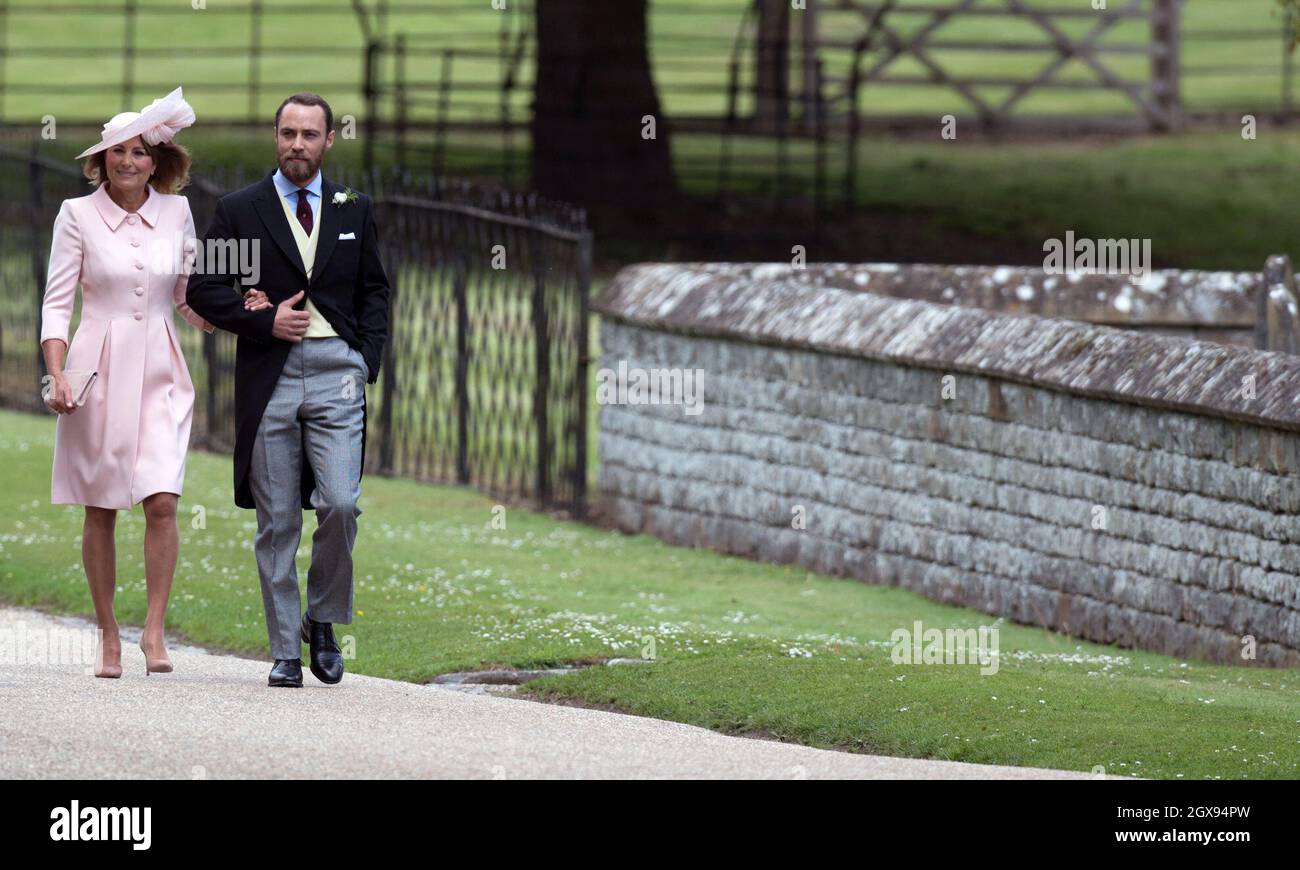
(347, 194)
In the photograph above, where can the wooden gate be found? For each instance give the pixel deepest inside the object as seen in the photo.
(881, 43)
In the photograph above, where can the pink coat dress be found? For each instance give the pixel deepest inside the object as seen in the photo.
(130, 438)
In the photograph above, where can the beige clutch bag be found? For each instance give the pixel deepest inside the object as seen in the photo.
(80, 380)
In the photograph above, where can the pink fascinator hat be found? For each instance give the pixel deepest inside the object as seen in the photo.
(156, 123)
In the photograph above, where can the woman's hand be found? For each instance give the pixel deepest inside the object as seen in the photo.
(59, 397)
(255, 300)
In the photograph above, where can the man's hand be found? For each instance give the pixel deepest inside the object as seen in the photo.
(290, 325)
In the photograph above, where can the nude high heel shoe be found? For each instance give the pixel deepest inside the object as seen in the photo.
(160, 665)
(108, 671)
(112, 672)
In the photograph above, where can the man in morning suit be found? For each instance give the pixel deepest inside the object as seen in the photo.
(300, 372)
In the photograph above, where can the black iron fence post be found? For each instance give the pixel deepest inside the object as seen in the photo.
(583, 374)
(388, 391)
(388, 368)
(34, 170)
(460, 279)
(542, 361)
(211, 361)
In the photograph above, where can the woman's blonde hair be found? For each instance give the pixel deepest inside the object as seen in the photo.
(171, 167)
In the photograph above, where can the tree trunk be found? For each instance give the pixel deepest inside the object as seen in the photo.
(594, 88)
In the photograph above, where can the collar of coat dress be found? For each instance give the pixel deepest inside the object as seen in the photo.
(113, 214)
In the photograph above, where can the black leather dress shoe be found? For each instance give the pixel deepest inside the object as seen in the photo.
(326, 657)
(287, 672)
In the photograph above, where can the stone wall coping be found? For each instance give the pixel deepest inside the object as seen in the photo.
(775, 304)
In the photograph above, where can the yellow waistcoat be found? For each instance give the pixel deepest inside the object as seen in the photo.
(317, 326)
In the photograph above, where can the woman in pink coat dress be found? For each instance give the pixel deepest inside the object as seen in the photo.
(126, 444)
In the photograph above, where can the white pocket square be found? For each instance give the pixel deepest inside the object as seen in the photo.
(343, 236)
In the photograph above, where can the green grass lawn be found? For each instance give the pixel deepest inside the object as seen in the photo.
(740, 646)
(1206, 200)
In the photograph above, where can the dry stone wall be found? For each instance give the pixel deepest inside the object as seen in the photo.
(1121, 487)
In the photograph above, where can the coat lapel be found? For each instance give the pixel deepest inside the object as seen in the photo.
(267, 204)
(330, 220)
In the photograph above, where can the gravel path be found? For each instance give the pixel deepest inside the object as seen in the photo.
(215, 717)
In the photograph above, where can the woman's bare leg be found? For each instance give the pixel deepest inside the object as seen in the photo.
(99, 556)
(161, 546)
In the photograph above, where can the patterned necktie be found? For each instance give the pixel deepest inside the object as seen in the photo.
(304, 211)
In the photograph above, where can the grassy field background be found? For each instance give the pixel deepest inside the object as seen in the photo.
(1209, 200)
(740, 646)
(1232, 56)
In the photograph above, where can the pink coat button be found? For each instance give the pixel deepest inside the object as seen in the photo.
(138, 316)
(139, 291)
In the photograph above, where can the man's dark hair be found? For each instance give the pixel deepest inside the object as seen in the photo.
(308, 100)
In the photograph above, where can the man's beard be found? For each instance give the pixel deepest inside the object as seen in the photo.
(298, 169)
